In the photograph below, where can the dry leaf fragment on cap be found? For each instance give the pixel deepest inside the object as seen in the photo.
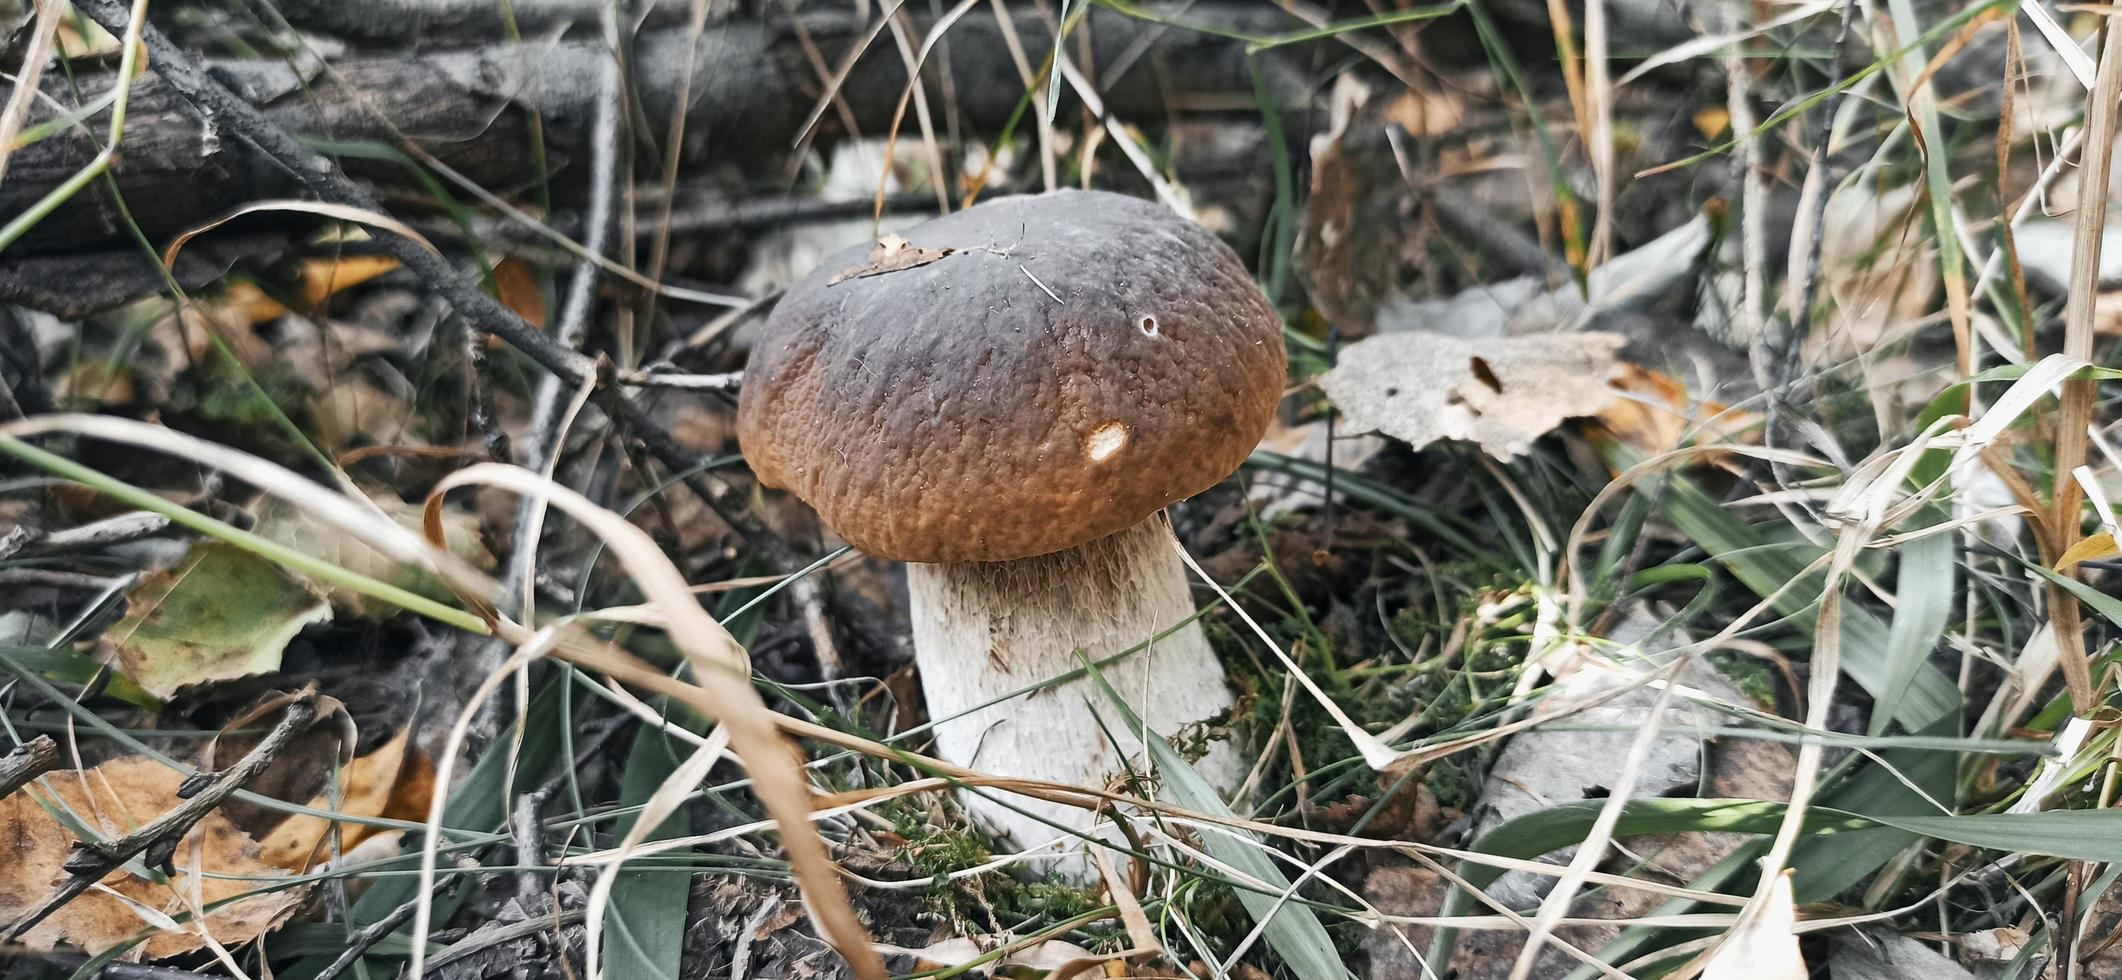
(222, 613)
(1501, 393)
(114, 799)
(891, 254)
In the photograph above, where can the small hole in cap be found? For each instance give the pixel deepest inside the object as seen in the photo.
(1105, 440)
(1149, 326)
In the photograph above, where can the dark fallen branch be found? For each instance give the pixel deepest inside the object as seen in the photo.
(76, 965)
(472, 108)
(71, 285)
(693, 212)
(29, 760)
(157, 842)
(431, 22)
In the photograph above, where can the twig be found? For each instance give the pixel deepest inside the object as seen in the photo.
(48, 578)
(652, 378)
(157, 842)
(73, 963)
(29, 760)
(88, 537)
(488, 938)
(359, 943)
(542, 446)
(483, 417)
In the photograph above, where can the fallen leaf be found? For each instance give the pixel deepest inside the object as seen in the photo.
(1712, 122)
(516, 286)
(892, 254)
(222, 613)
(1656, 414)
(295, 528)
(113, 799)
(1501, 393)
(321, 279)
(2095, 547)
(367, 788)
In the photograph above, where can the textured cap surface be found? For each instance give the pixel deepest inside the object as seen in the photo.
(1017, 378)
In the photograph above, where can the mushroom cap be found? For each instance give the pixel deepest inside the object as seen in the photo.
(1018, 378)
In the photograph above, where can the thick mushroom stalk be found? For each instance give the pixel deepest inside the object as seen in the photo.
(985, 631)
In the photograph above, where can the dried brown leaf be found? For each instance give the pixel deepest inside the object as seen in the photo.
(366, 788)
(113, 799)
(1500, 393)
(892, 254)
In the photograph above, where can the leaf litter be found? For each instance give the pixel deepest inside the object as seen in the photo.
(1501, 394)
(218, 868)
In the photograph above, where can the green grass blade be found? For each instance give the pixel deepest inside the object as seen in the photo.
(644, 926)
(1293, 931)
(1929, 694)
(1924, 596)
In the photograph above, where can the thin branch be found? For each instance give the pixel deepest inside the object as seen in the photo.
(88, 537)
(29, 760)
(650, 378)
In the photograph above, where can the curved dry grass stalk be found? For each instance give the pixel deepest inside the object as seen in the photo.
(533, 647)
(721, 689)
(339, 212)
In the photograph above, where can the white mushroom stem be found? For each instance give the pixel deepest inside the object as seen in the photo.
(983, 630)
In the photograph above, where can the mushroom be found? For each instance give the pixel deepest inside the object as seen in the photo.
(1007, 398)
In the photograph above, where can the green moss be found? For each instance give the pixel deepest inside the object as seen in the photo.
(1749, 675)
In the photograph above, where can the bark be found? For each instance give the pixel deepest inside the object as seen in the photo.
(985, 630)
(471, 108)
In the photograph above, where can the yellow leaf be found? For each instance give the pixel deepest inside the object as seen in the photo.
(1712, 122)
(516, 286)
(2094, 548)
(324, 278)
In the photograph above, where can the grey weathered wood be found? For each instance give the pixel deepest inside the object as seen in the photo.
(471, 108)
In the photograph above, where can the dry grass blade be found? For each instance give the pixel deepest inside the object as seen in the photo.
(339, 212)
(847, 64)
(1593, 849)
(722, 673)
(2077, 405)
(30, 77)
(915, 61)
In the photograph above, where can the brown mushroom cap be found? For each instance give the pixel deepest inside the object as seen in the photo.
(1076, 361)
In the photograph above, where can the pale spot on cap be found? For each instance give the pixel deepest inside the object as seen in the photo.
(1105, 440)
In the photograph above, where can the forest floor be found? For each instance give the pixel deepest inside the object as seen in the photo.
(1683, 548)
